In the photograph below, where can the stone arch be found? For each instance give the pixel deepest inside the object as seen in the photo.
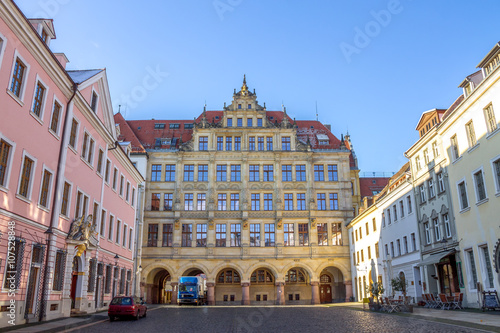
(306, 268)
(434, 214)
(340, 266)
(251, 269)
(193, 267)
(221, 187)
(287, 187)
(216, 270)
(188, 187)
(201, 187)
(444, 210)
(158, 283)
(254, 187)
(300, 187)
(268, 187)
(149, 268)
(424, 219)
(235, 187)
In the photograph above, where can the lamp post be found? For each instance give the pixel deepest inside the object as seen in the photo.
(116, 259)
(48, 235)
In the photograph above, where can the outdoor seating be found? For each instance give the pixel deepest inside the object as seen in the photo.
(391, 305)
(383, 305)
(436, 303)
(457, 300)
(444, 302)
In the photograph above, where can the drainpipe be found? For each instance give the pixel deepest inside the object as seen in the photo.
(54, 215)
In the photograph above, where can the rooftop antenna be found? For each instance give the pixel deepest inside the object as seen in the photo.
(119, 107)
(316, 110)
(282, 105)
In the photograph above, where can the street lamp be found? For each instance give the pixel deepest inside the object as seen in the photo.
(116, 259)
(48, 234)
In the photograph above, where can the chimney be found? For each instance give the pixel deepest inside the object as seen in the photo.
(329, 127)
(61, 57)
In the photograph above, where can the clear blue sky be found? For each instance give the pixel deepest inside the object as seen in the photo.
(298, 52)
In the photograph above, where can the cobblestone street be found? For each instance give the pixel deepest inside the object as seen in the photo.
(272, 319)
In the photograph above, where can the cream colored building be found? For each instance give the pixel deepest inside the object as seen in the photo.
(471, 141)
(253, 199)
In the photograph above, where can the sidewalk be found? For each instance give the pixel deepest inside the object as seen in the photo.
(58, 325)
(468, 316)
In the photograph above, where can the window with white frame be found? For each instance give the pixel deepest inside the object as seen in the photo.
(435, 149)
(395, 210)
(487, 270)
(26, 176)
(462, 195)
(413, 242)
(447, 226)
(6, 153)
(19, 76)
(495, 164)
(389, 216)
(437, 231)
(471, 135)
(408, 202)
(405, 244)
(418, 165)
(401, 208)
(422, 193)
(3, 45)
(45, 188)
(489, 116)
(472, 270)
(56, 115)
(440, 179)
(479, 185)
(427, 233)
(455, 152)
(426, 156)
(432, 191)
(39, 98)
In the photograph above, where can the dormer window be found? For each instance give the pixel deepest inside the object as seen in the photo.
(44, 36)
(323, 139)
(188, 126)
(468, 89)
(175, 126)
(159, 126)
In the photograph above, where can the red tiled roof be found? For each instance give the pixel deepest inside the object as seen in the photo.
(145, 133)
(453, 106)
(126, 134)
(369, 184)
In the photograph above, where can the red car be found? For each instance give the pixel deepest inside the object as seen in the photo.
(127, 306)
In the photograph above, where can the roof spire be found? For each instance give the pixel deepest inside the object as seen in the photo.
(244, 87)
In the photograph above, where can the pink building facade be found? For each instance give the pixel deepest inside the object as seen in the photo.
(68, 190)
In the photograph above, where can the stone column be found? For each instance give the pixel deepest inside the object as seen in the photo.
(211, 293)
(348, 290)
(280, 293)
(174, 292)
(315, 293)
(245, 293)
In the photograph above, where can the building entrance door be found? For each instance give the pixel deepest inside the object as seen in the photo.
(32, 289)
(325, 293)
(74, 281)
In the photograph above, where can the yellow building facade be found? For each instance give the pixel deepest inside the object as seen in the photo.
(252, 199)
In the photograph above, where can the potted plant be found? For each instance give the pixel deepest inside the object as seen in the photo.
(375, 289)
(400, 284)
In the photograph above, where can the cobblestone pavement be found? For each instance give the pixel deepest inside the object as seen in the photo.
(270, 319)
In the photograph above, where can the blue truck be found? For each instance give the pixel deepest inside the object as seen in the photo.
(192, 290)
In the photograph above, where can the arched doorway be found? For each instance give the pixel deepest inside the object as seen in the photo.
(228, 287)
(332, 277)
(297, 289)
(159, 287)
(193, 272)
(262, 290)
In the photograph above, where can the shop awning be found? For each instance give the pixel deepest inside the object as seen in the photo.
(434, 258)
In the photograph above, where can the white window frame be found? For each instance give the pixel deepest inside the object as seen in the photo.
(22, 92)
(130, 238)
(409, 208)
(430, 186)
(132, 197)
(447, 225)
(470, 278)
(69, 199)
(101, 222)
(471, 131)
(112, 231)
(437, 229)
(44, 100)
(435, 149)
(103, 162)
(32, 177)
(440, 181)
(77, 135)
(495, 179)
(127, 194)
(454, 144)
(84, 194)
(97, 101)
(480, 169)
(3, 46)
(422, 193)
(427, 233)
(118, 230)
(54, 100)
(418, 164)
(460, 204)
(489, 130)
(10, 159)
(49, 193)
(484, 269)
(114, 188)
(120, 187)
(124, 237)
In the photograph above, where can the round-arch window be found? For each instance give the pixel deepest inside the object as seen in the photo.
(325, 278)
(228, 276)
(295, 276)
(261, 276)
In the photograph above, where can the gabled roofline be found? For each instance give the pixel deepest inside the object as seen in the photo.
(489, 56)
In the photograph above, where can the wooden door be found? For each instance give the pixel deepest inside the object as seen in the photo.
(74, 280)
(32, 288)
(325, 293)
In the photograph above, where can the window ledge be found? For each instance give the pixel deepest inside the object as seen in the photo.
(37, 118)
(456, 160)
(6, 190)
(45, 209)
(64, 217)
(17, 99)
(87, 163)
(496, 194)
(20, 197)
(54, 134)
(464, 210)
(471, 149)
(492, 134)
(72, 149)
(485, 200)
